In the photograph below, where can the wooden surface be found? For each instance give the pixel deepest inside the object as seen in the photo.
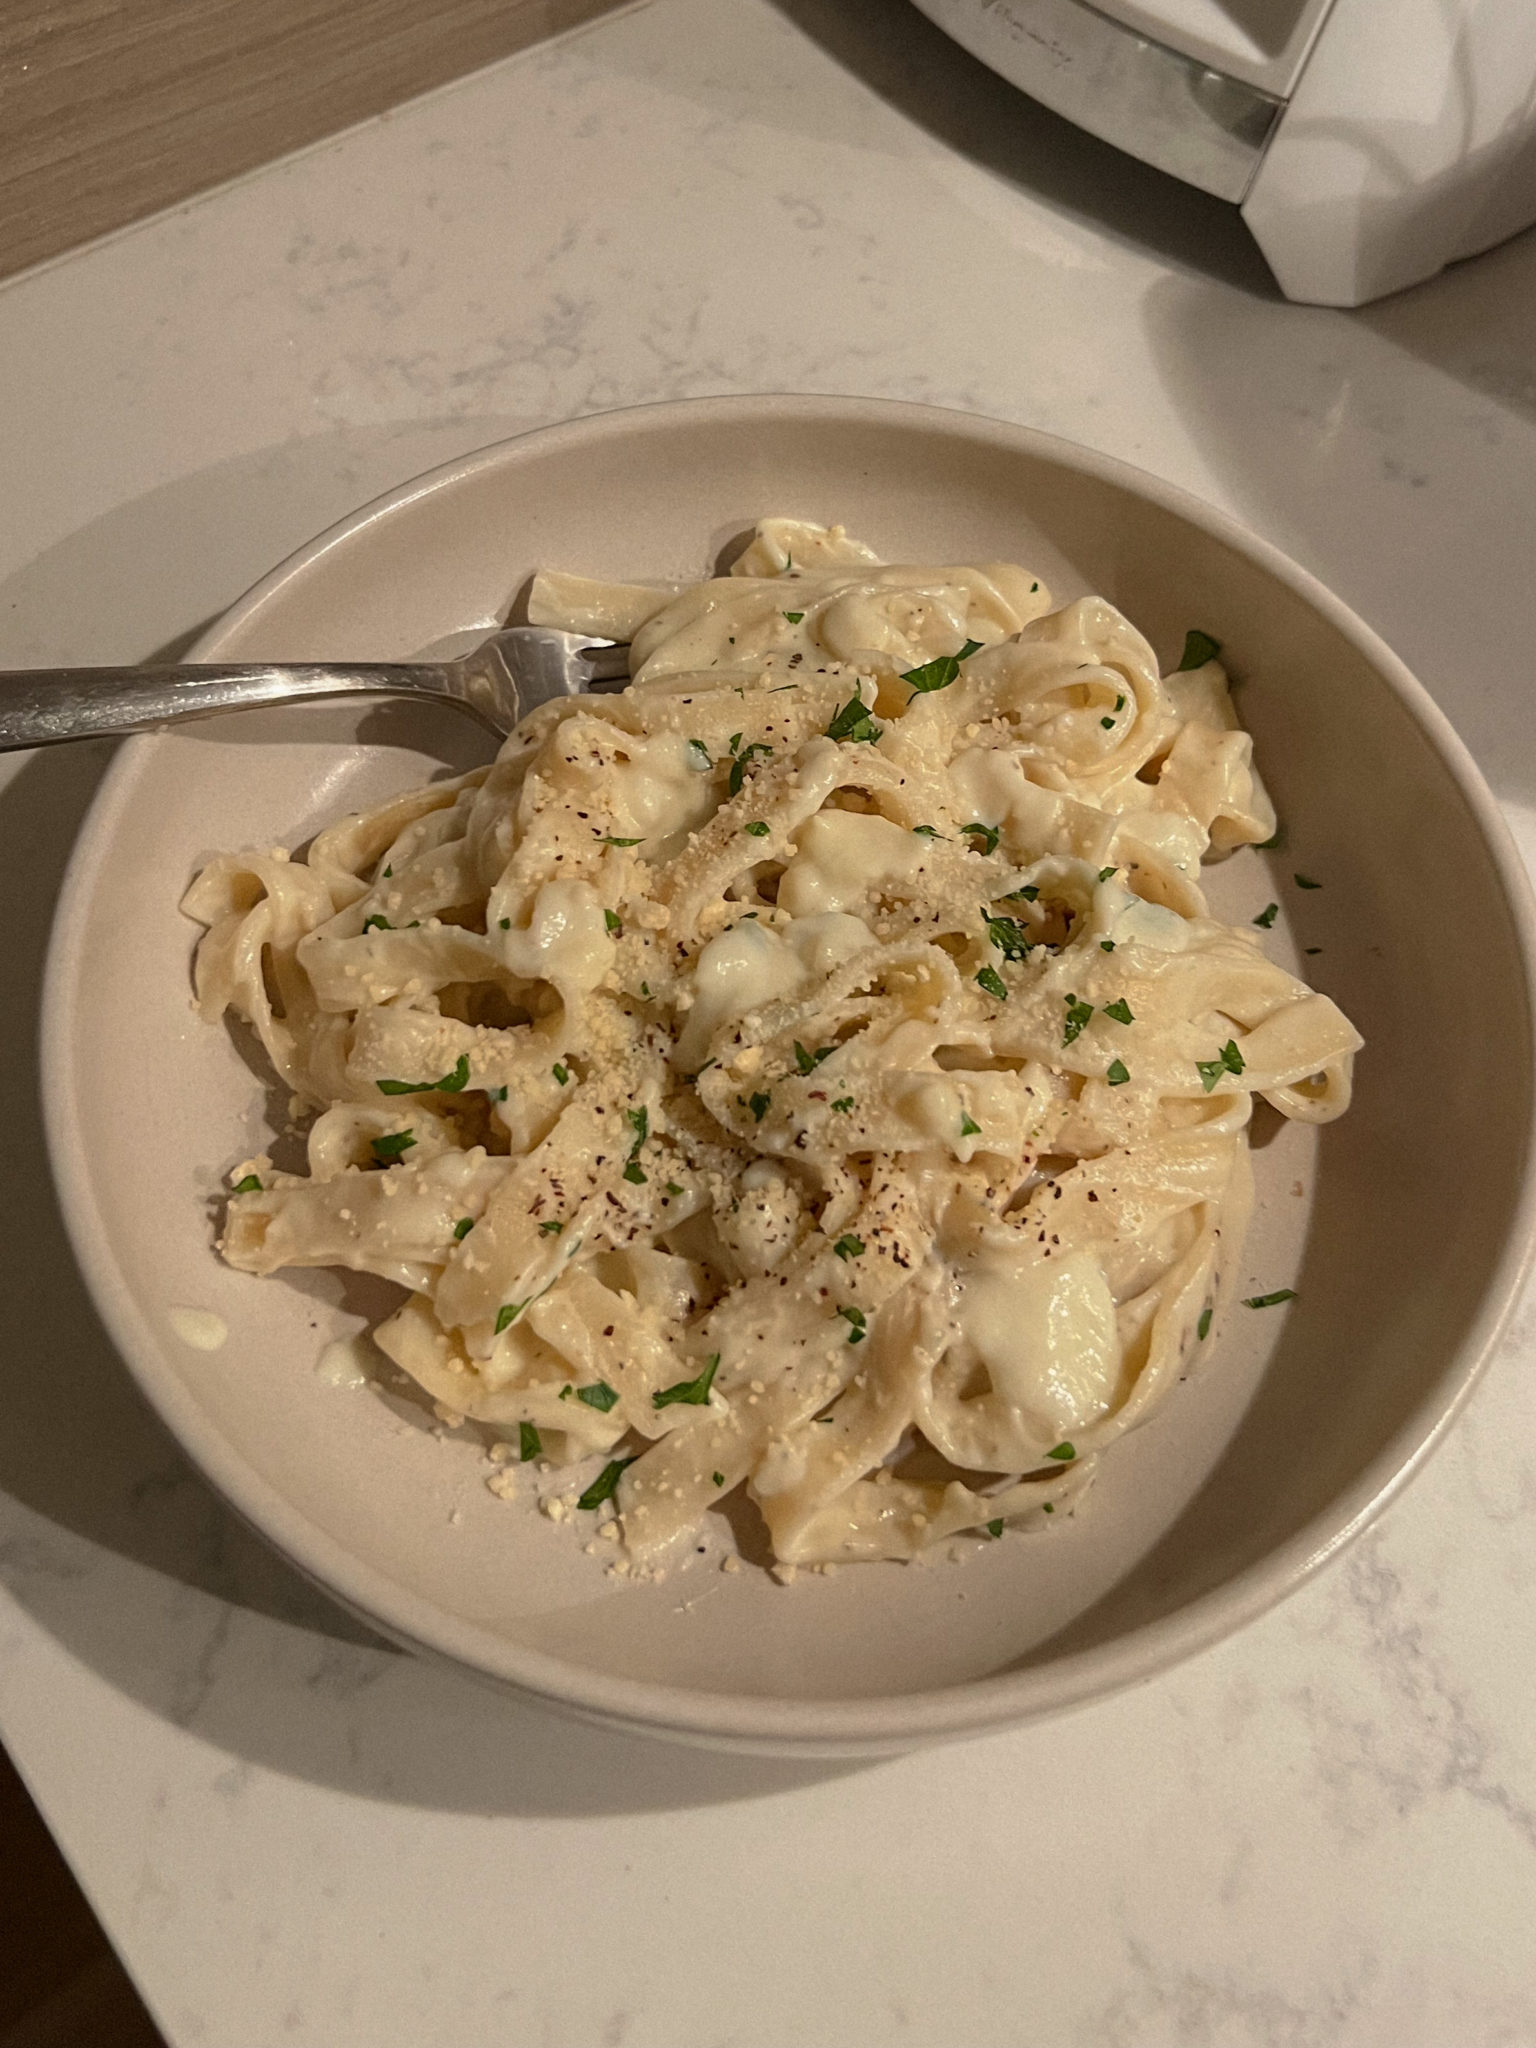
(60, 1984)
(112, 109)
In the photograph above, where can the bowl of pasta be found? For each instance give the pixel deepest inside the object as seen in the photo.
(870, 1185)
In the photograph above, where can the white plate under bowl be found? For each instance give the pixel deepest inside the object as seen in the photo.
(1404, 1228)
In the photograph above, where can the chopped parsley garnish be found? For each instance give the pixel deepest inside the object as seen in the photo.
(645, 990)
(692, 1393)
(609, 840)
(1199, 648)
(639, 1121)
(249, 1186)
(672, 1188)
(1203, 1327)
(739, 765)
(757, 829)
(849, 1246)
(843, 1104)
(969, 1128)
(1063, 1454)
(561, 1072)
(1267, 845)
(1028, 894)
(698, 747)
(857, 1328)
(1008, 935)
(462, 1228)
(386, 874)
(718, 1478)
(1107, 723)
(1267, 916)
(928, 831)
(1229, 1061)
(1119, 703)
(1314, 949)
(529, 1443)
(993, 983)
(1105, 873)
(794, 618)
(552, 1227)
(612, 921)
(759, 1104)
(453, 1083)
(1106, 945)
(602, 1486)
(989, 835)
(1305, 882)
(808, 1062)
(508, 1313)
(385, 1149)
(377, 924)
(495, 1094)
(1117, 1074)
(995, 1528)
(1077, 1016)
(1121, 1011)
(1269, 1300)
(601, 1396)
(853, 722)
(1047, 1507)
(941, 672)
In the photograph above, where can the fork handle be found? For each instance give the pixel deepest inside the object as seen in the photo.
(40, 707)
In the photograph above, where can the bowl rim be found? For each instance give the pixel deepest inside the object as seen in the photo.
(751, 1721)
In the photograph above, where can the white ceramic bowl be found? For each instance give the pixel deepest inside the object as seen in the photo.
(1404, 1228)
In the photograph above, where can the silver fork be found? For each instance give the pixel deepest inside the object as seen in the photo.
(497, 683)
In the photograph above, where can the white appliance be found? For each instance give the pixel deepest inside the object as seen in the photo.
(1368, 142)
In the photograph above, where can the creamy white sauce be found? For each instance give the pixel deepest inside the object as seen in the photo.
(199, 1327)
(1180, 841)
(932, 1105)
(779, 542)
(784, 1464)
(1147, 924)
(991, 787)
(739, 971)
(936, 1106)
(986, 783)
(567, 938)
(751, 965)
(904, 626)
(341, 1364)
(841, 857)
(661, 794)
(824, 942)
(1045, 1330)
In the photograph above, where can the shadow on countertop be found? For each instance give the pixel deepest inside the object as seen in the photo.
(1392, 451)
(115, 1544)
(899, 55)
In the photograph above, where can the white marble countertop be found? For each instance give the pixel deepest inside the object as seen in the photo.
(1323, 1832)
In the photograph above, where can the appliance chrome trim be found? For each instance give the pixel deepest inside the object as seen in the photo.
(1169, 109)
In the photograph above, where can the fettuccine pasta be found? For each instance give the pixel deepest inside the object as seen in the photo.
(812, 1070)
